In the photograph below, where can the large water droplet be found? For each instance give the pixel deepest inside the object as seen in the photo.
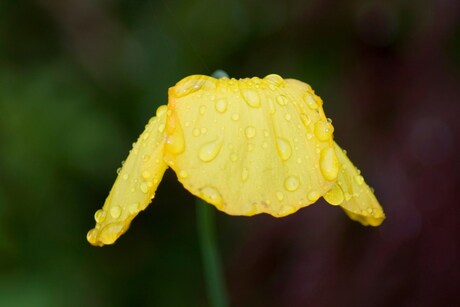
(250, 132)
(211, 195)
(275, 79)
(324, 130)
(311, 102)
(359, 179)
(313, 195)
(334, 196)
(144, 187)
(100, 216)
(282, 100)
(252, 97)
(209, 151)
(292, 183)
(161, 110)
(284, 148)
(146, 175)
(329, 164)
(192, 84)
(115, 212)
(221, 105)
(133, 208)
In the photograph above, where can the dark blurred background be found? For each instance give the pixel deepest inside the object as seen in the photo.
(79, 79)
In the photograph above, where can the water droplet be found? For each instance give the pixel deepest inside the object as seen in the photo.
(311, 102)
(100, 216)
(192, 84)
(161, 110)
(145, 158)
(146, 175)
(279, 195)
(115, 212)
(183, 174)
(209, 151)
(329, 164)
(221, 105)
(250, 132)
(334, 196)
(118, 170)
(244, 174)
(233, 157)
(203, 130)
(111, 232)
(309, 136)
(161, 128)
(211, 195)
(282, 100)
(305, 119)
(251, 147)
(324, 130)
(275, 79)
(347, 196)
(175, 142)
(125, 177)
(252, 97)
(196, 132)
(284, 148)
(313, 195)
(359, 179)
(133, 208)
(287, 117)
(144, 187)
(292, 183)
(202, 109)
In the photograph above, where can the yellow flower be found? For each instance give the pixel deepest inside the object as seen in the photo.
(246, 146)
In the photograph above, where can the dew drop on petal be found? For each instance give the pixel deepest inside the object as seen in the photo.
(209, 151)
(100, 216)
(359, 179)
(133, 208)
(146, 175)
(235, 116)
(329, 165)
(313, 195)
(250, 132)
(284, 148)
(144, 187)
(221, 105)
(211, 195)
(282, 100)
(334, 196)
(252, 97)
(115, 212)
(279, 195)
(324, 130)
(275, 79)
(311, 102)
(183, 174)
(292, 183)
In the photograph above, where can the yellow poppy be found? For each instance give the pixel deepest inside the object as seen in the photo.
(246, 146)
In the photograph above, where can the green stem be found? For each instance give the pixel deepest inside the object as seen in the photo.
(211, 261)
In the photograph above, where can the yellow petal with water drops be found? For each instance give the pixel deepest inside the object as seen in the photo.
(250, 146)
(135, 185)
(353, 194)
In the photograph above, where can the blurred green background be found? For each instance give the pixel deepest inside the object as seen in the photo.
(79, 79)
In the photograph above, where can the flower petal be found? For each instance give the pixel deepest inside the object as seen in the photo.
(250, 146)
(135, 185)
(353, 194)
